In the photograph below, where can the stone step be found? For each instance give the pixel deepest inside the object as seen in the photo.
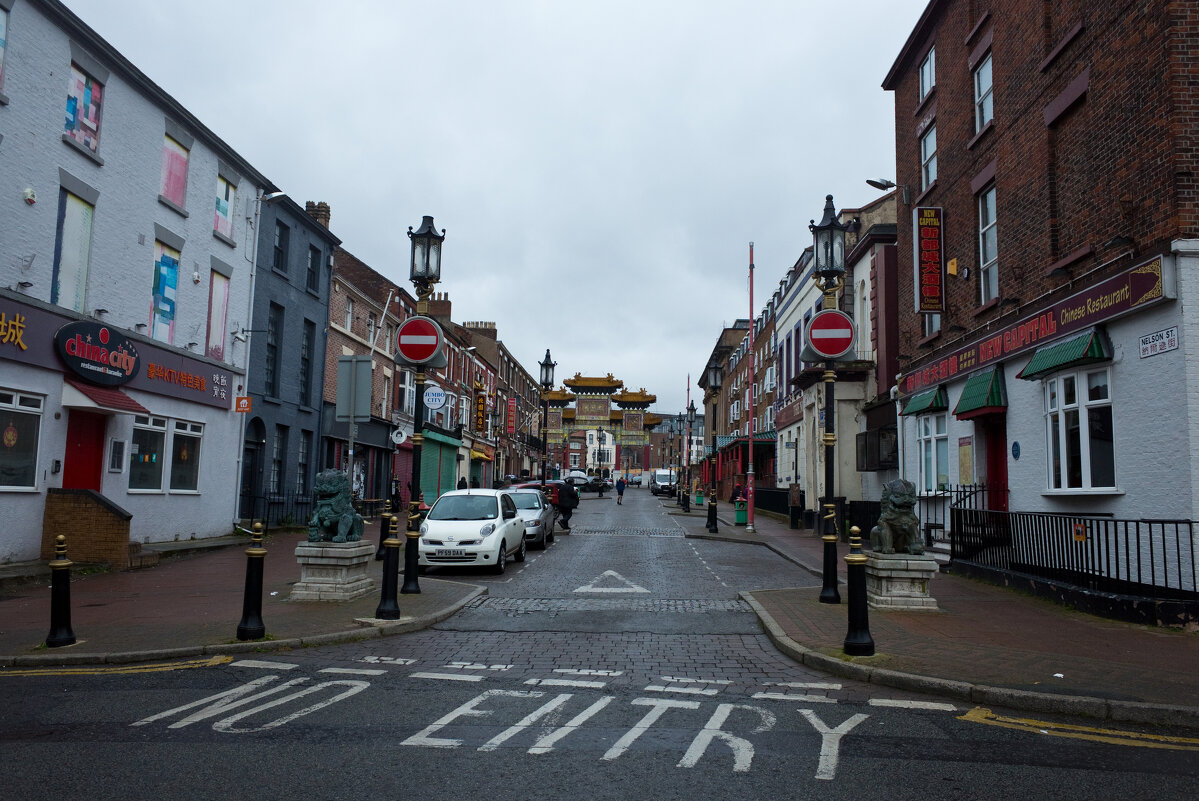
(140, 556)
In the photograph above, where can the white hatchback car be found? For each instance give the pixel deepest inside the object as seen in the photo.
(472, 527)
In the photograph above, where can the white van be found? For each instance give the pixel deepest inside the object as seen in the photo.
(662, 482)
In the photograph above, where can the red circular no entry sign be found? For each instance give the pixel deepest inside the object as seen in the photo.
(418, 339)
(831, 333)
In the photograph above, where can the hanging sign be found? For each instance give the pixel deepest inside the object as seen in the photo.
(97, 353)
(929, 242)
(511, 421)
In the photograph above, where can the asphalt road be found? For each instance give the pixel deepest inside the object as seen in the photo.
(619, 663)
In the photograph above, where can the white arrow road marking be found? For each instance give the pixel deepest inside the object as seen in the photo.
(613, 575)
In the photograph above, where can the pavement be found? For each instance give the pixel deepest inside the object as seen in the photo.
(985, 644)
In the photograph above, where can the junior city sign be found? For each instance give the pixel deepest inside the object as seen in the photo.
(1132, 290)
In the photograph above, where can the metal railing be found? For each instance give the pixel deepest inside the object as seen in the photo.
(1150, 558)
(284, 509)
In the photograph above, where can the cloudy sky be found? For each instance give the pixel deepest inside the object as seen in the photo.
(600, 167)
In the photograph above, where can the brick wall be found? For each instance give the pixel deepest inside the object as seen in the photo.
(96, 530)
(1120, 160)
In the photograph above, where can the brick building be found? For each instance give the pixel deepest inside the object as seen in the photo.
(1047, 168)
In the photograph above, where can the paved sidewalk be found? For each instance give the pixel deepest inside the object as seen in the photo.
(985, 644)
(191, 605)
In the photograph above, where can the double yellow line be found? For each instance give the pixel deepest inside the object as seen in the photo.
(1110, 736)
(121, 670)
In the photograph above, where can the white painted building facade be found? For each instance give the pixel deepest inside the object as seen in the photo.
(132, 227)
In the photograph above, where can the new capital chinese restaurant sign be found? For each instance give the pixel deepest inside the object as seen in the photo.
(930, 259)
(1132, 290)
(511, 421)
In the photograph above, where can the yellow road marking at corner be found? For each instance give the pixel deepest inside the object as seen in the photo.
(1111, 736)
(157, 667)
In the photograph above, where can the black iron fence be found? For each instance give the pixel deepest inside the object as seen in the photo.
(1149, 558)
(284, 509)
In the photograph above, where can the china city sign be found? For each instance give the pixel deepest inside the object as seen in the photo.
(98, 353)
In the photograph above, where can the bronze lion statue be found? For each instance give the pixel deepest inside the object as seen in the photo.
(898, 529)
(334, 519)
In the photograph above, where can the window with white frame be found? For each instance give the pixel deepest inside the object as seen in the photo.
(274, 338)
(282, 242)
(931, 323)
(20, 432)
(147, 451)
(3, 46)
(307, 349)
(988, 247)
(1078, 431)
(932, 443)
(222, 219)
(928, 73)
(313, 276)
(928, 157)
(185, 456)
(984, 109)
(371, 322)
(348, 320)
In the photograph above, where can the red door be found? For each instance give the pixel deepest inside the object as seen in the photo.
(994, 428)
(84, 462)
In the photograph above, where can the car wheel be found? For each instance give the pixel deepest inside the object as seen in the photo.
(541, 543)
(501, 560)
(519, 556)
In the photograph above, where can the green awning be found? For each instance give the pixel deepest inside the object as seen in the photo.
(934, 400)
(1086, 348)
(442, 438)
(984, 393)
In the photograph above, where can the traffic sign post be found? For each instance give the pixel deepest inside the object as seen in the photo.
(831, 333)
(418, 340)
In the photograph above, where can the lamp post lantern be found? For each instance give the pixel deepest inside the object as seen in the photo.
(828, 253)
(715, 375)
(547, 383)
(678, 484)
(424, 272)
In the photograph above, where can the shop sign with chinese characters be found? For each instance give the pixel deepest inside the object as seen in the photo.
(1132, 290)
(930, 259)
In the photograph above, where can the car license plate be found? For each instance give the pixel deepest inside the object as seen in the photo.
(449, 552)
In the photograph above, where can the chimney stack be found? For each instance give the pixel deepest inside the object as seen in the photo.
(318, 211)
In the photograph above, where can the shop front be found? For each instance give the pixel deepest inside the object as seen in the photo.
(136, 428)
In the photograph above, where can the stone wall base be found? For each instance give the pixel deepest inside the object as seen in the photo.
(333, 571)
(900, 581)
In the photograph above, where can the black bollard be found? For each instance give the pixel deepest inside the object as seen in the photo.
(858, 641)
(712, 527)
(60, 597)
(829, 593)
(251, 626)
(412, 559)
(389, 607)
(685, 500)
(384, 524)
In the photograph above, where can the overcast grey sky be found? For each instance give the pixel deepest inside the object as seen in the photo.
(600, 167)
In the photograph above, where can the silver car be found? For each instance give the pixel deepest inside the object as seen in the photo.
(538, 515)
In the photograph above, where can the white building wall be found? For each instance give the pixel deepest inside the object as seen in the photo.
(126, 185)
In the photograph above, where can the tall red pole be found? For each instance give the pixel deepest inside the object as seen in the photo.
(749, 478)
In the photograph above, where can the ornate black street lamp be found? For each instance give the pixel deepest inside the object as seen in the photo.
(686, 497)
(424, 272)
(715, 375)
(828, 251)
(547, 383)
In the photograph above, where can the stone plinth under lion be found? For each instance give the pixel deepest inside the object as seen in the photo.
(898, 574)
(334, 560)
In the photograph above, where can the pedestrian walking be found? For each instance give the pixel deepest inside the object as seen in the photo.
(620, 485)
(462, 482)
(568, 499)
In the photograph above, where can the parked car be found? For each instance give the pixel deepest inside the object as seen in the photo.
(595, 484)
(538, 514)
(473, 527)
(552, 486)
